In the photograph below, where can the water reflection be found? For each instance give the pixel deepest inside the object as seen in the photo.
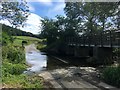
(36, 60)
(39, 61)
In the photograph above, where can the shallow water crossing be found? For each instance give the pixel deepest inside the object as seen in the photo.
(36, 60)
(39, 61)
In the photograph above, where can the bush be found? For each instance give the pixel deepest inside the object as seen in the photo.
(41, 47)
(111, 75)
(14, 55)
(6, 39)
(10, 68)
(116, 55)
(116, 51)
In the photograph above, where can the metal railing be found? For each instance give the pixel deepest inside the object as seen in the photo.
(102, 39)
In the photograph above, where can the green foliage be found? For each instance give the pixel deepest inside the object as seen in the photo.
(12, 76)
(41, 47)
(6, 38)
(116, 51)
(73, 20)
(15, 55)
(116, 55)
(50, 31)
(13, 65)
(34, 82)
(111, 75)
(15, 12)
(30, 40)
(15, 32)
(81, 17)
(22, 81)
(91, 16)
(14, 69)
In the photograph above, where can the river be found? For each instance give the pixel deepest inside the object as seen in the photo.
(39, 61)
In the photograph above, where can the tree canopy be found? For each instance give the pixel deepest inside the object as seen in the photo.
(15, 11)
(82, 17)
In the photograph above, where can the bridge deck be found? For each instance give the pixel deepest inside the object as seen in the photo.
(99, 39)
(114, 46)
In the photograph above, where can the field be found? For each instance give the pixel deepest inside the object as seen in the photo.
(18, 40)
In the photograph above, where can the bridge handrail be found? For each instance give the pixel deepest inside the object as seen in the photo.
(108, 37)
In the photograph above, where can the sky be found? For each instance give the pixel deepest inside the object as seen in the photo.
(46, 8)
(38, 10)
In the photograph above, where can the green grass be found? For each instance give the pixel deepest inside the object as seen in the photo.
(13, 65)
(41, 47)
(111, 75)
(18, 40)
(22, 81)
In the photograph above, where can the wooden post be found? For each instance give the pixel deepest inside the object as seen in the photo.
(89, 38)
(110, 38)
(101, 39)
(84, 40)
(95, 39)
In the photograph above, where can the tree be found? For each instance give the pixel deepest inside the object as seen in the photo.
(72, 11)
(91, 16)
(82, 16)
(15, 12)
(49, 30)
(61, 24)
(107, 10)
(116, 16)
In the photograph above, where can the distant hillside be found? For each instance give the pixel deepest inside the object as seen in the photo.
(16, 32)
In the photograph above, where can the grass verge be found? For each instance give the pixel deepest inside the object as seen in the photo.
(13, 65)
(111, 75)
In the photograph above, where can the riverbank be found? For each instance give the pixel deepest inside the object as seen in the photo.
(76, 78)
(13, 65)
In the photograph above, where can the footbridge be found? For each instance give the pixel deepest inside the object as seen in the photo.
(99, 45)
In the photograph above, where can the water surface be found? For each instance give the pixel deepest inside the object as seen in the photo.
(39, 61)
(36, 60)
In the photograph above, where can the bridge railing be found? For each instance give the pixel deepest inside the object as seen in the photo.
(104, 38)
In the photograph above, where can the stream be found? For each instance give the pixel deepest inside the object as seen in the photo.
(39, 61)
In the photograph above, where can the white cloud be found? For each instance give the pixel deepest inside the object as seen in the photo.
(6, 22)
(33, 24)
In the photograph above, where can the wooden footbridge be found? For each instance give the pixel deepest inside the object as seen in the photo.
(99, 39)
(99, 45)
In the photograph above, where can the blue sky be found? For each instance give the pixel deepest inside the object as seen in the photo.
(40, 9)
(49, 8)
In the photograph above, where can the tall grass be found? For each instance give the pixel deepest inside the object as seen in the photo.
(13, 67)
(111, 75)
(14, 55)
